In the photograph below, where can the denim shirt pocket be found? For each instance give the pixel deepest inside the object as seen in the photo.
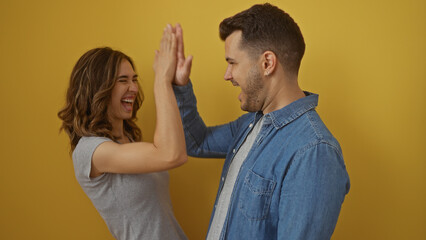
(255, 196)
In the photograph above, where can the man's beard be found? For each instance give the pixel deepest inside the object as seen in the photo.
(254, 86)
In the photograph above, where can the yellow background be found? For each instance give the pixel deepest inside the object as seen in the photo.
(365, 58)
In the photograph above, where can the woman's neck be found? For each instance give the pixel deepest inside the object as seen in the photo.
(118, 131)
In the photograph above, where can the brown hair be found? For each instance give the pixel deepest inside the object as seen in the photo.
(266, 27)
(89, 93)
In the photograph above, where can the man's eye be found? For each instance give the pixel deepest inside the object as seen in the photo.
(135, 80)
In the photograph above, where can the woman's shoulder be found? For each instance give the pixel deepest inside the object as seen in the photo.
(82, 156)
(89, 143)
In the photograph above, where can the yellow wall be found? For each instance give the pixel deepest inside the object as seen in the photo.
(365, 58)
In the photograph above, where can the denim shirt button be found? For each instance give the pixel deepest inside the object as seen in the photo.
(251, 125)
(223, 179)
(233, 150)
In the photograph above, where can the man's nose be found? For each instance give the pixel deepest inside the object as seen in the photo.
(228, 75)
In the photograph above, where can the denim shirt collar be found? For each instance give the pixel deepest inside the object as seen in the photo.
(289, 113)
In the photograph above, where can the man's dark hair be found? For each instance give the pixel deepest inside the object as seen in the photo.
(266, 27)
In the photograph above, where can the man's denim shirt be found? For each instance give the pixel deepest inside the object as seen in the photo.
(293, 181)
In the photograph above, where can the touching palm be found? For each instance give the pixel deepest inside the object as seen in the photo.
(183, 68)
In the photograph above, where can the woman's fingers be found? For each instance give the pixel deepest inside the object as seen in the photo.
(173, 44)
(163, 40)
(168, 41)
(172, 38)
(165, 58)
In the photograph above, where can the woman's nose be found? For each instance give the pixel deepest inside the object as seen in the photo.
(133, 87)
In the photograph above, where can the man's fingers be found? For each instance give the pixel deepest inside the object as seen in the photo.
(188, 60)
(179, 37)
(188, 63)
(180, 31)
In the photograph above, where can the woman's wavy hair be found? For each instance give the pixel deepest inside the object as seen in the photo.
(89, 94)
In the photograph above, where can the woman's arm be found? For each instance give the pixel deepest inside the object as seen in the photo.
(168, 148)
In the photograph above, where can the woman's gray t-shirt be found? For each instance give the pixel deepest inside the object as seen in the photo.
(134, 206)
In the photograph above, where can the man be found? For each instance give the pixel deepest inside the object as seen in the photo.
(284, 176)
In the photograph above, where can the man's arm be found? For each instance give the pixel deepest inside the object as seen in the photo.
(203, 141)
(312, 193)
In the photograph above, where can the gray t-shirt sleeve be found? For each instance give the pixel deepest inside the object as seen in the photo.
(82, 156)
(134, 206)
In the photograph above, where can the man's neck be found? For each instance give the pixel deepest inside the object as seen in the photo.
(281, 93)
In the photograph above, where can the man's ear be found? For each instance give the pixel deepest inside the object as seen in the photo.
(269, 63)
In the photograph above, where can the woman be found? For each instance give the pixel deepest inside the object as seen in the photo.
(126, 179)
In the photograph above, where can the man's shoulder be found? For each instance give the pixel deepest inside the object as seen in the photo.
(309, 129)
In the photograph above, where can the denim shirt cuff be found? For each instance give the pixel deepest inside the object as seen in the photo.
(181, 90)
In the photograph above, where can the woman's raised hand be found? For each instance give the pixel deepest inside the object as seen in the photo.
(166, 58)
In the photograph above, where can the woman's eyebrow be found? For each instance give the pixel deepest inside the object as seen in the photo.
(125, 76)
